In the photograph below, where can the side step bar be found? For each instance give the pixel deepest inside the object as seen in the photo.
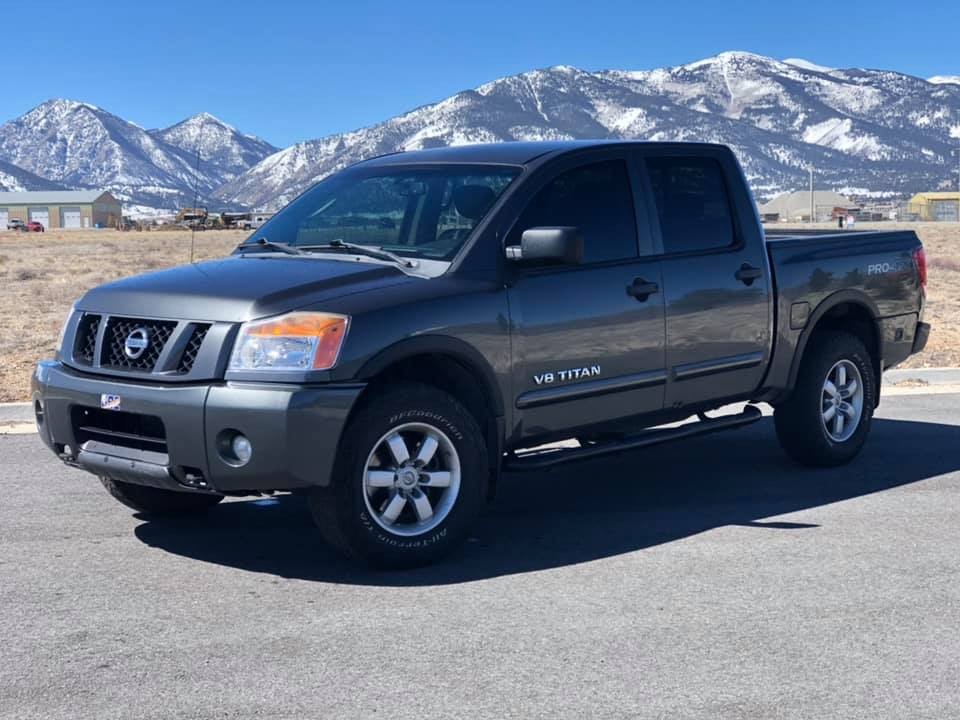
(541, 459)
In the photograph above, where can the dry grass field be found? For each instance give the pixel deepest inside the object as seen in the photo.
(42, 274)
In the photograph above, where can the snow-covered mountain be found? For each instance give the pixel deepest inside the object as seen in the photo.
(15, 179)
(79, 145)
(225, 152)
(864, 131)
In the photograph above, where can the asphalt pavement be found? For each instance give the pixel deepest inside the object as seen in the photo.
(707, 579)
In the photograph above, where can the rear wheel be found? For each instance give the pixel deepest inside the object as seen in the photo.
(827, 418)
(157, 502)
(409, 480)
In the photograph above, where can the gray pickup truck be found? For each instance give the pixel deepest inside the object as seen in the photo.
(412, 327)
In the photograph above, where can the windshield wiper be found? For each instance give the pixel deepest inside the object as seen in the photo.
(279, 247)
(371, 250)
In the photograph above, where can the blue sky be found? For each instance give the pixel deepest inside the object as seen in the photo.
(290, 71)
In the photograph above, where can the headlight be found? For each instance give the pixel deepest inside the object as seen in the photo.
(296, 341)
(63, 328)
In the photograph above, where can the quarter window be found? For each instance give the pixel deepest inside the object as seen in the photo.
(692, 203)
(596, 199)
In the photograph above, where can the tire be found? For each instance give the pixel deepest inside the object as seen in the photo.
(806, 429)
(156, 502)
(374, 510)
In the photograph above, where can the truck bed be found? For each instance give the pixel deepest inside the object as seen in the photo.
(871, 269)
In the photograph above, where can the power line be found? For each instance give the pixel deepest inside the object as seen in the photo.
(196, 185)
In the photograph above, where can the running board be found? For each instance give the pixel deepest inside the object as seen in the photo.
(541, 459)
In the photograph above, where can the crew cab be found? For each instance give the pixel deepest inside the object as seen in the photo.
(413, 326)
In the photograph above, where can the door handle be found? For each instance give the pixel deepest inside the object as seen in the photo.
(641, 289)
(747, 274)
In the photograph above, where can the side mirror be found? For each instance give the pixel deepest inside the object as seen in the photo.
(549, 244)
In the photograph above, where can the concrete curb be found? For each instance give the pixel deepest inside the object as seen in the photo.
(17, 428)
(930, 376)
(11, 412)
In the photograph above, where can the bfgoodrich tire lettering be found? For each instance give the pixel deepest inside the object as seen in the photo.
(383, 491)
(805, 424)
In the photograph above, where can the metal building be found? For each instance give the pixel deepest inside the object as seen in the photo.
(796, 206)
(934, 206)
(61, 209)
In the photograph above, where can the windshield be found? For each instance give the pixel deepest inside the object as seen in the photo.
(413, 212)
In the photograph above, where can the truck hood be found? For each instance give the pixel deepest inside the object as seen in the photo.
(237, 289)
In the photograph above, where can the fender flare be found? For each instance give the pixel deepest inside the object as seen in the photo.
(840, 297)
(438, 345)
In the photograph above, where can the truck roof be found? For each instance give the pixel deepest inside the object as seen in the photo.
(509, 153)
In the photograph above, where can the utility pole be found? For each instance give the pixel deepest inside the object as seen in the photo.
(812, 208)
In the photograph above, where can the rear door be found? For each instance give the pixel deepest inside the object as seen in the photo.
(715, 276)
(587, 346)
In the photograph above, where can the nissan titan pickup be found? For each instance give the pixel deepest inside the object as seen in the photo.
(414, 326)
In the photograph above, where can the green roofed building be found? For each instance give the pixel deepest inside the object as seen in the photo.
(61, 209)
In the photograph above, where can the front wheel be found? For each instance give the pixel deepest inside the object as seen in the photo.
(409, 479)
(827, 418)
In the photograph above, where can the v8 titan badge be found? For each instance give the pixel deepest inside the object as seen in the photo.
(109, 402)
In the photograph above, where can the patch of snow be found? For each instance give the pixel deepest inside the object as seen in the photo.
(145, 212)
(838, 133)
(944, 80)
(807, 65)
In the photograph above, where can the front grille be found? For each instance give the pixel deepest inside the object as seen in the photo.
(190, 352)
(85, 345)
(119, 329)
(115, 427)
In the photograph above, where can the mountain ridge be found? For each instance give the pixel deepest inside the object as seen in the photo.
(79, 145)
(865, 132)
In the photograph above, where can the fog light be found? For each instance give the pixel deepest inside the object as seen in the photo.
(241, 448)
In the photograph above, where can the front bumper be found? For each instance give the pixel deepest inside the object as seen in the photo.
(294, 430)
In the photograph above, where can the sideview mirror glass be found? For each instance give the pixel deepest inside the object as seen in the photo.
(549, 245)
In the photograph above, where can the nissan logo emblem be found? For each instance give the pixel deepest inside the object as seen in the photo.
(136, 343)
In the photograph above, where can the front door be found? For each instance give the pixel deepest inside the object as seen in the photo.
(588, 339)
(717, 288)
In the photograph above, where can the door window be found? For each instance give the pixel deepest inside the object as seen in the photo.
(692, 203)
(596, 199)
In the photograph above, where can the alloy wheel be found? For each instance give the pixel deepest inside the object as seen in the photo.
(411, 479)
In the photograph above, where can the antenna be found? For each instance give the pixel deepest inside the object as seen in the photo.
(196, 184)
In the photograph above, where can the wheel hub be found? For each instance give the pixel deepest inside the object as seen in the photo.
(408, 478)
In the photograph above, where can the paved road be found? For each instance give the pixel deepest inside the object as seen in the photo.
(706, 580)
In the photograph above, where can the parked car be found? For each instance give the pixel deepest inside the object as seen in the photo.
(34, 226)
(413, 326)
(253, 222)
(16, 224)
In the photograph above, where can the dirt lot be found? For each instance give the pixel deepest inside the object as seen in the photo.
(41, 274)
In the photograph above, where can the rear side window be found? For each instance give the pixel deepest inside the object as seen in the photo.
(594, 198)
(692, 203)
